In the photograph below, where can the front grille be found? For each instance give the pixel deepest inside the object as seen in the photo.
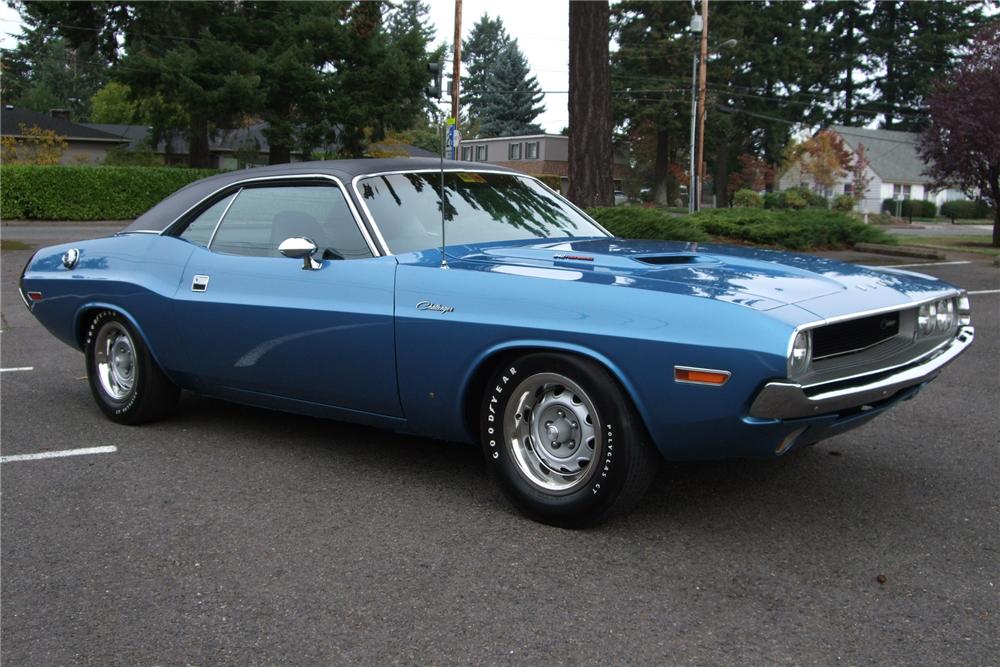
(854, 335)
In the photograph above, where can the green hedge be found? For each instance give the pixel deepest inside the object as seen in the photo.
(968, 210)
(87, 193)
(634, 222)
(909, 208)
(793, 230)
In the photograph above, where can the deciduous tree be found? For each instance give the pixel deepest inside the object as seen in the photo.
(962, 143)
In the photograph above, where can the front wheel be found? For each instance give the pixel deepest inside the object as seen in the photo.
(564, 441)
(126, 382)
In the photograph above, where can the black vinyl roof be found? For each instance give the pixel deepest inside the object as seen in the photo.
(160, 216)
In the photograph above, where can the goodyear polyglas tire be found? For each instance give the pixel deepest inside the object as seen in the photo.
(563, 439)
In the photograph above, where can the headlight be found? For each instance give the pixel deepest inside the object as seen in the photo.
(801, 353)
(964, 310)
(942, 316)
(926, 318)
(945, 315)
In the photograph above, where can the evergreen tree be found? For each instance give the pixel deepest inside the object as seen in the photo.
(45, 72)
(914, 43)
(480, 51)
(511, 102)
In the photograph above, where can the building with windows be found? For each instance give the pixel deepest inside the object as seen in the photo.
(896, 170)
(536, 154)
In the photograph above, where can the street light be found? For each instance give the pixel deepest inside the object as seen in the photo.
(696, 25)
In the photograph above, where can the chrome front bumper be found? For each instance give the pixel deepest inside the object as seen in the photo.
(787, 400)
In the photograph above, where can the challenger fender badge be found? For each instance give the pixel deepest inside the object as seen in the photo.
(436, 307)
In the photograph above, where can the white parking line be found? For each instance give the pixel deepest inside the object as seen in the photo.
(20, 368)
(55, 455)
(985, 291)
(891, 266)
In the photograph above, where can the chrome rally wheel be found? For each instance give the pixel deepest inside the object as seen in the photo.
(128, 385)
(553, 432)
(114, 356)
(563, 440)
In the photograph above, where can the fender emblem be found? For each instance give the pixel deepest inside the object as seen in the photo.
(436, 307)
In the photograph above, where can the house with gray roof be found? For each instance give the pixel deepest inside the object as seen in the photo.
(895, 172)
(86, 145)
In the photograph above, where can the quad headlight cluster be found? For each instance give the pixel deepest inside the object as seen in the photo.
(943, 315)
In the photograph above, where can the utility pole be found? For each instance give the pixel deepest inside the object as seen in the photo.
(456, 71)
(693, 168)
(702, 75)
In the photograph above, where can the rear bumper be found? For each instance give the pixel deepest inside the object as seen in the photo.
(787, 400)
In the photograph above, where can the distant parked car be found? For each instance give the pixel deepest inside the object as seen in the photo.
(577, 360)
(620, 198)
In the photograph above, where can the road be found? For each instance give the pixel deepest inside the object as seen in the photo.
(229, 535)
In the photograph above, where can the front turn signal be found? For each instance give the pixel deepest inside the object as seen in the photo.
(701, 376)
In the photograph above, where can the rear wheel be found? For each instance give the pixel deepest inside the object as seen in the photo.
(564, 440)
(126, 382)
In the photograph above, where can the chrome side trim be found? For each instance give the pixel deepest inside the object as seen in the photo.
(378, 232)
(239, 185)
(728, 375)
(787, 400)
(218, 223)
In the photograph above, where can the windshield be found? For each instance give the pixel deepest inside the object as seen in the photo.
(479, 208)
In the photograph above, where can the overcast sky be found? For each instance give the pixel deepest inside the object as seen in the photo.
(541, 28)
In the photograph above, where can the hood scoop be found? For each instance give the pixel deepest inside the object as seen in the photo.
(675, 258)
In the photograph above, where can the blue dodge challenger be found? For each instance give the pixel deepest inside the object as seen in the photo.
(473, 303)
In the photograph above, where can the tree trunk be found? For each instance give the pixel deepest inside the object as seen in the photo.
(661, 193)
(722, 170)
(199, 155)
(849, 74)
(590, 120)
(995, 192)
(279, 153)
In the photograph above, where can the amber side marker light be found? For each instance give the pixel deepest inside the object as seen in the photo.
(701, 375)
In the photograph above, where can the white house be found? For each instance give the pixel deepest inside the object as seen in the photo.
(895, 172)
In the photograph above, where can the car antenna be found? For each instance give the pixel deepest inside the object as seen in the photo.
(444, 260)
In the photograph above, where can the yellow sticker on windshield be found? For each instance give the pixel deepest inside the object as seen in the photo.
(471, 178)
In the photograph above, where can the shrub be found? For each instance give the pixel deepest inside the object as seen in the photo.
(843, 203)
(88, 193)
(774, 200)
(794, 230)
(647, 223)
(792, 199)
(745, 198)
(970, 210)
(909, 208)
(812, 199)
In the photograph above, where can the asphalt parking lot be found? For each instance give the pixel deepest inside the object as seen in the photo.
(230, 535)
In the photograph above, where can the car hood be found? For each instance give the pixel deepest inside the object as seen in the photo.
(760, 279)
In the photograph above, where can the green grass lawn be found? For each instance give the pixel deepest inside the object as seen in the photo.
(978, 244)
(14, 245)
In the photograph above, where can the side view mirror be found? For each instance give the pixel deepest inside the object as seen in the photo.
(302, 248)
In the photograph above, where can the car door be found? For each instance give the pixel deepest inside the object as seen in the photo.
(259, 323)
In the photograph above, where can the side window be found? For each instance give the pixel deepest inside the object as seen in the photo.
(262, 217)
(199, 231)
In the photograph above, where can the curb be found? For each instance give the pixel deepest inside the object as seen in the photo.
(900, 251)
